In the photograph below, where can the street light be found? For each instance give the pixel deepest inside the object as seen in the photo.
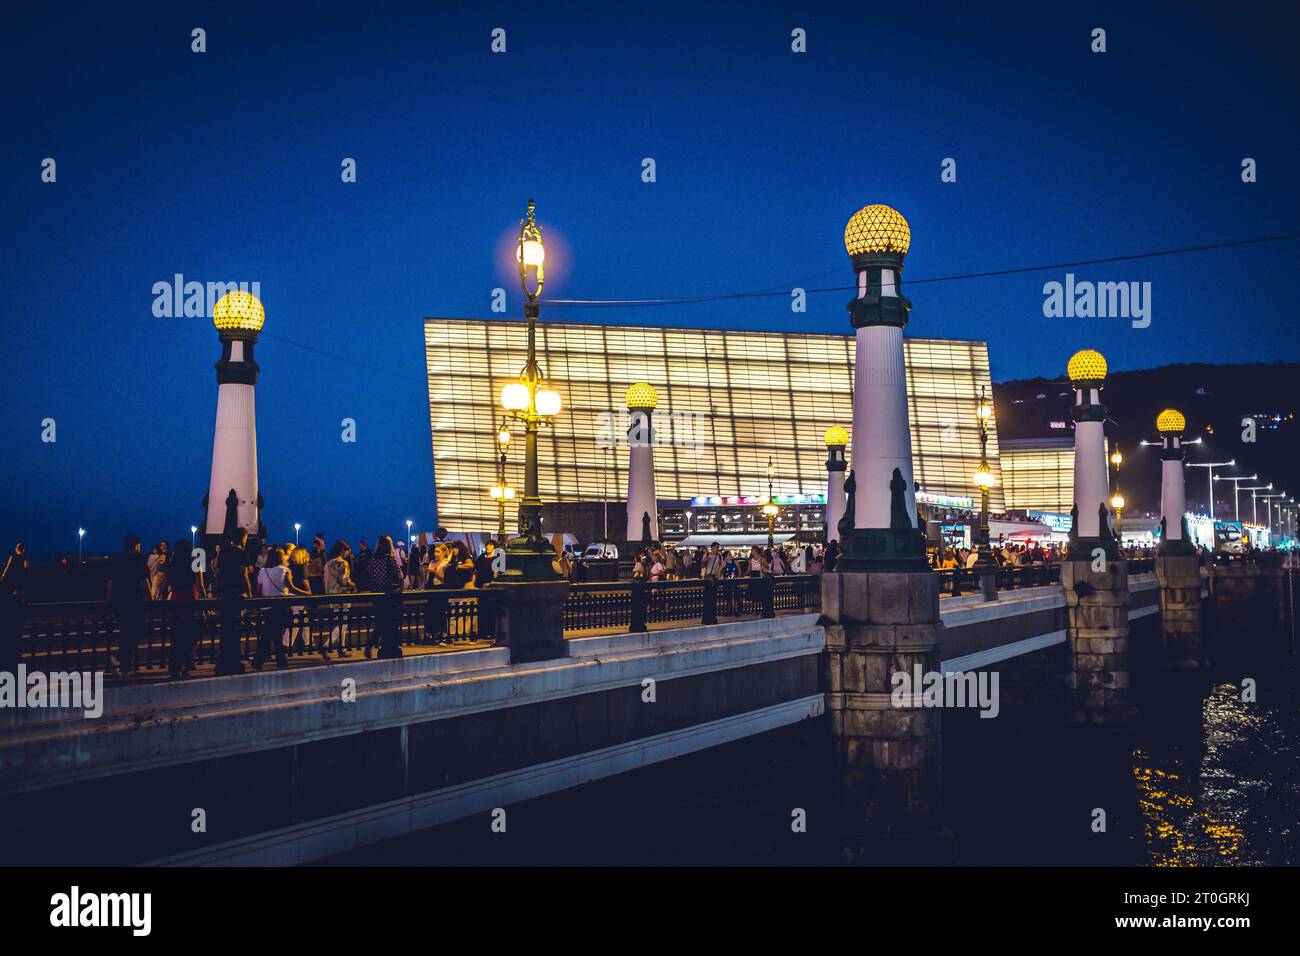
(296, 528)
(984, 480)
(194, 530)
(81, 533)
(1268, 509)
(1117, 502)
(529, 400)
(769, 507)
(501, 491)
(1236, 508)
(1211, 465)
(409, 522)
(1254, 513)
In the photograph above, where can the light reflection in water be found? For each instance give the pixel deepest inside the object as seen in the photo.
(1201, 793)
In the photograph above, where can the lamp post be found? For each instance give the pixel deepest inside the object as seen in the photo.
(1268, 510)
(81, 533)
(194, 531)
(984, 480)
(1117, 503)
(501, 491)
(769, 506)
(529, 400)
(1236, 506)
(409, 522)
(1254, 513)
(296, 528)
(1211, 465)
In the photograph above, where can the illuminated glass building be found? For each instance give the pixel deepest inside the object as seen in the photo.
(1038, 473)
(728, 401)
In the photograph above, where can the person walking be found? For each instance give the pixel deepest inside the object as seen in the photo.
(299, 571)
(274, 580)
(316, 566)
(128, 590)
(360, 567)
(184, 588)
(385, 575)
(158, 572)
(17, 568)
(338, 580)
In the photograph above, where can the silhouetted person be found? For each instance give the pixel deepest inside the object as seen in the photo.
(128, 590)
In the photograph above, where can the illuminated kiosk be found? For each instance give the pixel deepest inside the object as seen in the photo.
(1178, 569)
(233, 500)
(1094, 577)
(836, 440)
(880, 607)
(642, 506)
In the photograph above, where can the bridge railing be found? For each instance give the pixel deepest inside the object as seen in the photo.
(635, 604)
(86, 635)
(82, 635)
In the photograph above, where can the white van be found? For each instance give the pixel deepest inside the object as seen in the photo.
(600, 549)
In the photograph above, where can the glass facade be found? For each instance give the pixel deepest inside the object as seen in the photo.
(728, 400)
(1039, 474)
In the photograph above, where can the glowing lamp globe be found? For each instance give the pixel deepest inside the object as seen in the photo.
(877, 229)
(770, 510)
(642, 395)
(530, 253)
(1087, 365)
(984, 478)
(238, 311)
(1170, 422)
(514, 397)
(548, 402)
(1117, 501)
(836, 437)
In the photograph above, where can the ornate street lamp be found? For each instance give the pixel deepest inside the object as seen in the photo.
(769, 506)
(531, 402)
(501, 491)
(984, 480)
(1117, 503)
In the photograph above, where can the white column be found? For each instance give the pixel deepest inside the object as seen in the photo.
(881, 438)
(834, 504)
(641, 477)
(1091, 480)
(1173, 500)
(234, 457)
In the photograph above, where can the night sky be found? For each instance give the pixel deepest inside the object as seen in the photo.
(225, 166)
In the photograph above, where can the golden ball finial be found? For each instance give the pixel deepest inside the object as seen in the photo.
(642, 395)
(1087, 365)
(1171, 422)
(238, 311)
(877, 228)
(836, 437)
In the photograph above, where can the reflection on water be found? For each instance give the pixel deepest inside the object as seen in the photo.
(1227, 795)
(1200, 779)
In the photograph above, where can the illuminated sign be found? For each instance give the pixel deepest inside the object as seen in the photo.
(1053, 519)
(944, 501)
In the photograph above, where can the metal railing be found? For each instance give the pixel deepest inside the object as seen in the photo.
(83, 635)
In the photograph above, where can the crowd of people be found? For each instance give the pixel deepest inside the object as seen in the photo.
(662, 563)
(237, 570)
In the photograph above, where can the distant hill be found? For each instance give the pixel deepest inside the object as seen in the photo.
(1215, 399)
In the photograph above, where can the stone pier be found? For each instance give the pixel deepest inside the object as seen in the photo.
(877, 625)
(1180, 609)
(1097, 605)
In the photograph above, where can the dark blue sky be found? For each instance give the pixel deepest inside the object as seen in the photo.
(225, 166)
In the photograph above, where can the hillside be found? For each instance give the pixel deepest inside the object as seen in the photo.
(1215, 399)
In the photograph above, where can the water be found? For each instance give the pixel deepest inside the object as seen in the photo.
(1199, 779)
